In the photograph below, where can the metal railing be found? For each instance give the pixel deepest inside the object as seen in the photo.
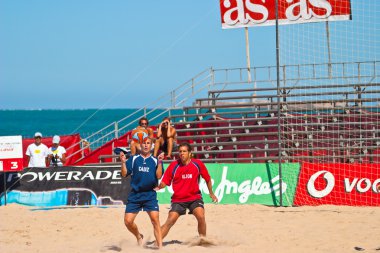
(161, 107)
(263, 80)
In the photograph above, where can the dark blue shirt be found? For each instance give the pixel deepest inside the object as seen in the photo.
(143, 177)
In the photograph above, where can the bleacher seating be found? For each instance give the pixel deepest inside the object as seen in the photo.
(224, 131)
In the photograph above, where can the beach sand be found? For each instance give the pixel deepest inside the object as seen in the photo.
(231, 228)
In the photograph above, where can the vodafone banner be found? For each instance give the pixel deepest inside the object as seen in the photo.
(338, 184)
(11, 156)
(245, 13)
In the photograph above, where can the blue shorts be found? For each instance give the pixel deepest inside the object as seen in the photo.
(137, 206)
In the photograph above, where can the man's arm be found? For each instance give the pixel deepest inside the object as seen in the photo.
(160, 186)
(123, 160)
(46, 153)
(206, 176)
(160, 170)
(212, 195)
(27, 160)
(63, 158)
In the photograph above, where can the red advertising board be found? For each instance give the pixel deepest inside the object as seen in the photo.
(245, 13)
(11, 158)
(69, 142)
(338, 184)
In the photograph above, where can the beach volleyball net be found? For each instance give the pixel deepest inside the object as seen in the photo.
(330, 95)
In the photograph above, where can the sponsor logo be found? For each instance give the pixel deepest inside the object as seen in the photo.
(330, 183)
(246, 188)
(243, 12)
(360, 185)
(68, 176)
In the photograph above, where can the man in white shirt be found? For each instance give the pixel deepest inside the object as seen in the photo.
(56, 154)
(37, 152)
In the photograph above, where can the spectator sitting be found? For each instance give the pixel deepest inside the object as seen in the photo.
(166, 138)
(143, 126)
(56, 154)
(37, 152)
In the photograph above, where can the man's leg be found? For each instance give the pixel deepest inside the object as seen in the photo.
(172, 219)
(157, 146)
(129, 221)
(199, 214)
(154, 218)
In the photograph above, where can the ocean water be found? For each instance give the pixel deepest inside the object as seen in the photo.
(63, 122)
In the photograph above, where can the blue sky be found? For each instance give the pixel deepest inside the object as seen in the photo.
(77, 54)
(80, 53)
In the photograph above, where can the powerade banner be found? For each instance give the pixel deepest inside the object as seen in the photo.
(339, 184)
(61, 186)
(247, 184)
(66, 186)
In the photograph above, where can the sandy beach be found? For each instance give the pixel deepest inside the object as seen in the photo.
(231, 228)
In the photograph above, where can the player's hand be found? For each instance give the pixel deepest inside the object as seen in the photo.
(156, 189)
(161, 156)
(214, 198)
(123, 159)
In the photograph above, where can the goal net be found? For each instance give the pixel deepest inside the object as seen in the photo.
(330, 96)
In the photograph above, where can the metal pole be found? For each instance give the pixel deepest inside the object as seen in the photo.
(278, 103)
(247, 54)
(328, 48)
(116, 130)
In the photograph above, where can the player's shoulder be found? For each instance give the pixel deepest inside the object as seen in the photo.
(152, 157)
(134, 157)
(174, 163)
(32, 145)
(197, 161)
(44, 146)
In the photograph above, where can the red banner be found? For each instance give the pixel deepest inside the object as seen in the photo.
(245, 13)
(338, 184)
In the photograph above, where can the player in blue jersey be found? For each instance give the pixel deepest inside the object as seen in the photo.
(145, 170)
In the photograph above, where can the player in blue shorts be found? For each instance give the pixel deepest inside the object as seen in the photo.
(145, 170)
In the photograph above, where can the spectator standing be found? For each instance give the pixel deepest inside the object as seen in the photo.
(37, 152)
(57, 153)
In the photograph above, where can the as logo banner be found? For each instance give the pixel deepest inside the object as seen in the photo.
(245, 13)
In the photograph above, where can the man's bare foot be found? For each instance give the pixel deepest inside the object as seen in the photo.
(140, 240)
(153, 245)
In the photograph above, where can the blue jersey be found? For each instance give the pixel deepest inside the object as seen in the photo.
(143, 177)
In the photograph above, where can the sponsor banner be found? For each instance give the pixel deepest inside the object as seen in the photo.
(339, 184)
(63, 186)
(247, 184)
(11, 156)
(245, 13)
